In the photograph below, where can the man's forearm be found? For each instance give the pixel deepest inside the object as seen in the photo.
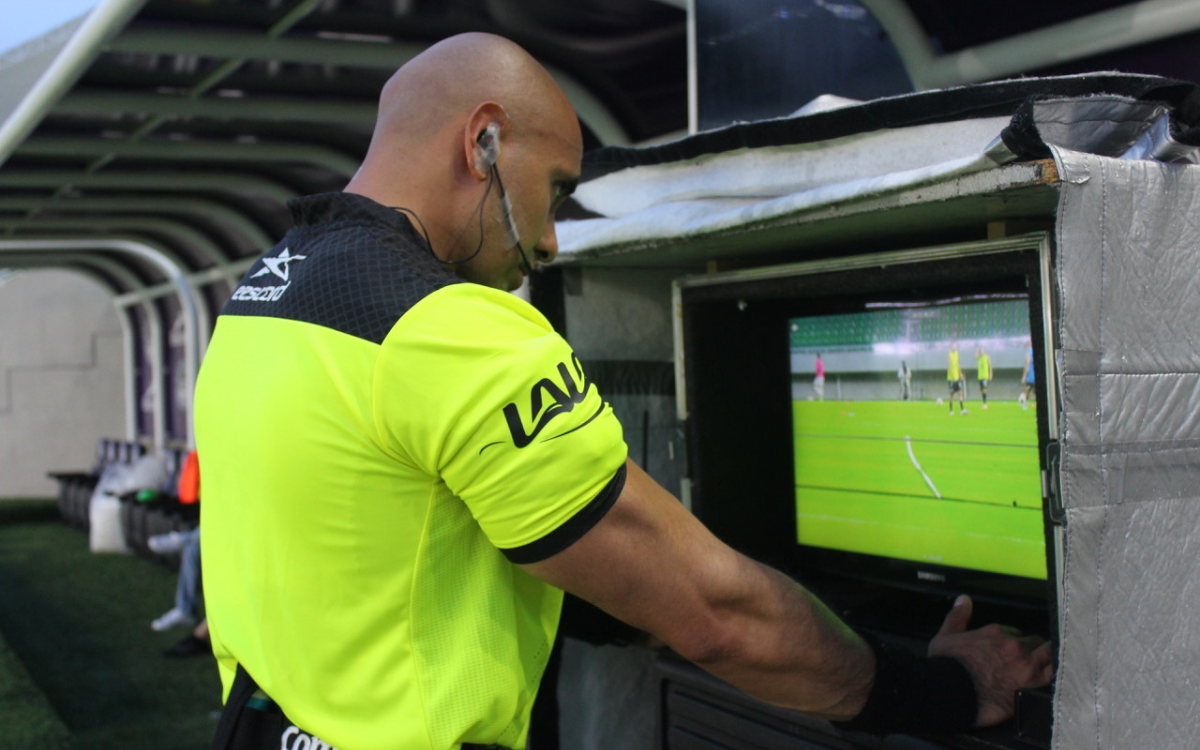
(650, 563)
(653, 565)
(782, 645)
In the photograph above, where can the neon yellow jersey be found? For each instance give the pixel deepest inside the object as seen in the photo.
(953, 372)
(984, 363)
(380, 444)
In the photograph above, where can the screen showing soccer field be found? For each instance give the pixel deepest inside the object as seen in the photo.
(915, 434)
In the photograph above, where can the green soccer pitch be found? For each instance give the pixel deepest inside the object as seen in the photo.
(903, 479)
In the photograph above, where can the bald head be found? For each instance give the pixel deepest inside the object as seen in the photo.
(432, 96)
(425, 154)
(449, 79)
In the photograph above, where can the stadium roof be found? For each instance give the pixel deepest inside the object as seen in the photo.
(156, 141)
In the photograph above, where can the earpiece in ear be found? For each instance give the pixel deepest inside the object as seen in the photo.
(487, 147)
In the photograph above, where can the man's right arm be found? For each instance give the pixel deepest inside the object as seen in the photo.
(652, 564)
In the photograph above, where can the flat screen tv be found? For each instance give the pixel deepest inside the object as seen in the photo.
(877, 425)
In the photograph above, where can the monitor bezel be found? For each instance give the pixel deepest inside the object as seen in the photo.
(1029, 256)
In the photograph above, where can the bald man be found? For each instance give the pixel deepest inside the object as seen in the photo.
(405, 467)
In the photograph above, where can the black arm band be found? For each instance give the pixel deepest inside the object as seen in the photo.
(915, 695)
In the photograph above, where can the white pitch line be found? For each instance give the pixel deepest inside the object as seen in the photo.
(917, 464)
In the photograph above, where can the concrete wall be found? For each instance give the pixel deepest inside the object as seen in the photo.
(61, 378)
(623, 316)
(607, 694)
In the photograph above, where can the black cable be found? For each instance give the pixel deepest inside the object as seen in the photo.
(493, 177)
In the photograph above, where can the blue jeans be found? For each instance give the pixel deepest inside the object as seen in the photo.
(187, 589)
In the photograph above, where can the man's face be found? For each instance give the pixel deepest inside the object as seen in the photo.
(539, 170)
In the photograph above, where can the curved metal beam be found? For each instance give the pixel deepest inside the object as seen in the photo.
(310, 50)
(73, 239)
(101, 270)
(203, 322)
(82, 263)
(179, 231)
(187, 298)
(907, 35)
(204, 319)
(94, 102)
(193, 150)
(160, 180)
(1117, 28)
(192, 206)
(318, 51)
(593, 112)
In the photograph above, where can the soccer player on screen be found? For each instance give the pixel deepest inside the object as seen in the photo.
(905, 377)
(954, 378)
(819, 379)
(983, 364)
(1027, 380)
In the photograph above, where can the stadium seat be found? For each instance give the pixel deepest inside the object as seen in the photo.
(75, 488)
(145, 515)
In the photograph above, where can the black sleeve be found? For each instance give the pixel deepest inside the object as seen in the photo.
(574, 529)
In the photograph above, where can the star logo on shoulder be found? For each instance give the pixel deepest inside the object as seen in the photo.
(278, 265)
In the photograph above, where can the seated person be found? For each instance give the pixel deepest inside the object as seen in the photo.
(187, 589)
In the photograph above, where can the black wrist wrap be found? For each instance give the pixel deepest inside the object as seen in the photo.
(915, 695)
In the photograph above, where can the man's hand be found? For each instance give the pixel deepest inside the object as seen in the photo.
(1000, 661)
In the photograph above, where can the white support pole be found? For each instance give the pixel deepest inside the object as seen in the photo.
(693, 76)
(102, 23)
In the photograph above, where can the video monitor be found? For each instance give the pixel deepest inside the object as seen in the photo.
(915, 434)
(836, 425)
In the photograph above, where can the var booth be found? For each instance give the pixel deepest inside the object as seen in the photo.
(904, 349)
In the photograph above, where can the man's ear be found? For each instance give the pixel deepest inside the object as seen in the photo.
(484, 130)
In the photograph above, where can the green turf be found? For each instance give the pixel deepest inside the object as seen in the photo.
(26, 717)
(78, 623)
(906, 479)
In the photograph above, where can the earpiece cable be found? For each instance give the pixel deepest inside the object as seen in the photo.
(493, 178)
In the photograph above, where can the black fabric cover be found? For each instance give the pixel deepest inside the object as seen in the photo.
(996, 99)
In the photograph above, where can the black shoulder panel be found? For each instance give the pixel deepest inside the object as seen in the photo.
(349, 264)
